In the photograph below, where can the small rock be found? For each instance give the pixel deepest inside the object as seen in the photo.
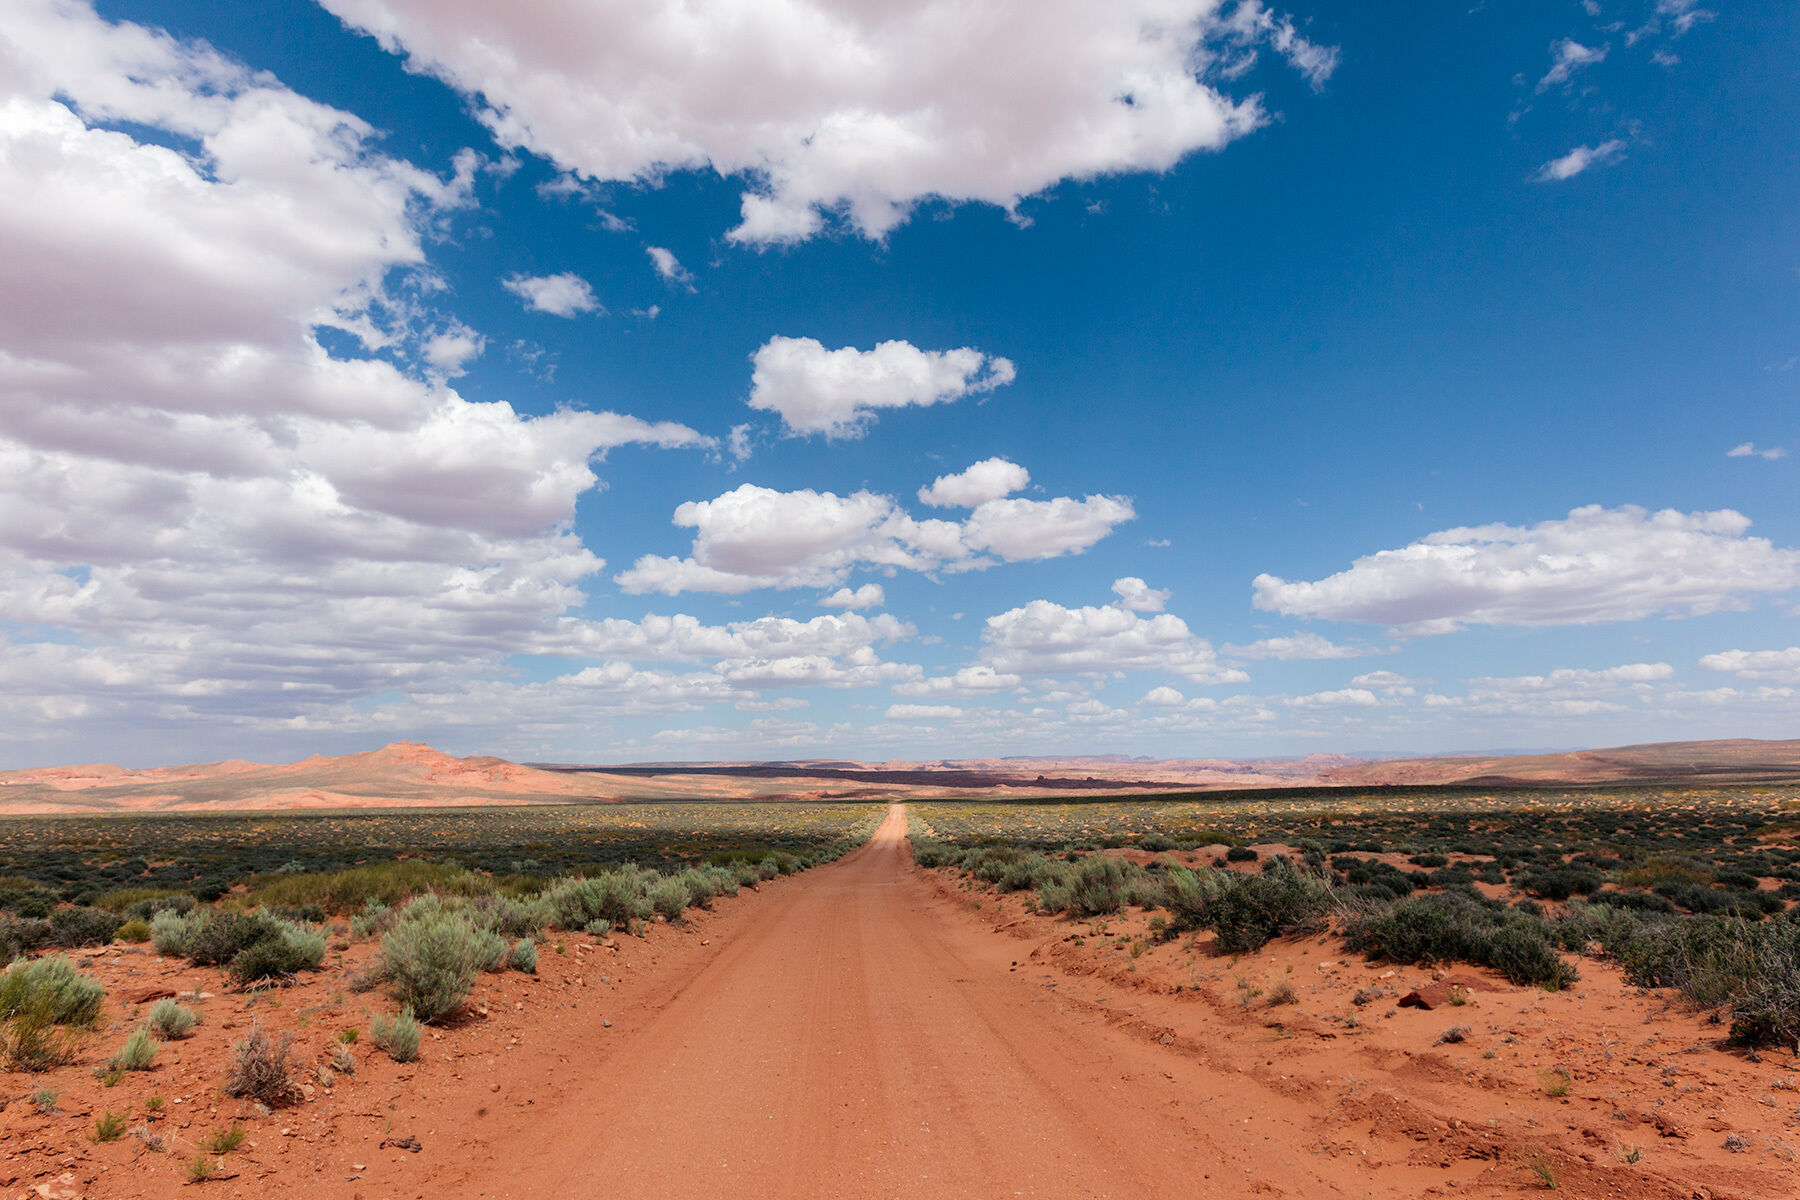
(145, 995)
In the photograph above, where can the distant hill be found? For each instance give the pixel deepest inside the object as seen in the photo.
(1732, 760)
(408, 774)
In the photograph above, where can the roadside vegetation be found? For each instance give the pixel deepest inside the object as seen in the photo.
(1691, 889)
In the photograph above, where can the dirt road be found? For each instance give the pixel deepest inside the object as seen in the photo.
(855, 1042)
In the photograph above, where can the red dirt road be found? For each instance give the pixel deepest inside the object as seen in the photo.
(853, 1042)
(873, 1029)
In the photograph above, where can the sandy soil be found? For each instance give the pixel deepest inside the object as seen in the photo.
(871, 1029)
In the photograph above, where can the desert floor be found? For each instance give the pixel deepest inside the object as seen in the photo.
(871, 1029)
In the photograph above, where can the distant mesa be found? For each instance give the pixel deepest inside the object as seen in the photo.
(415, 775)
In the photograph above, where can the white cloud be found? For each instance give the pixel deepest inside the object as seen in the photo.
(869, 595)
(1567, 678)
(1566, 691)
(755, 537)
(989, 479)
(563, 295)
(1045, 638)
(234, 523)
(449, 350)
(1163, 697)
(1388, 683)
(837, 392)
(1750, 450)
(1774, 666)
(923, 712)
(970, 681)
(1597, 565)
(1579, 159)
(1139, 596)
(1342, 698)
(1030, 529)
(1567, 57)
(831, 107)
(1295, 646)
(668, 266)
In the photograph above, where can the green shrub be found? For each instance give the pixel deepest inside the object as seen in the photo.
(508, 917)
(109, 1127)
(669, 897)
(52, 988)
(283, 949)
(135, 930)
(430, 961)
(388, 883)
(1765, 1010)
(615, 896)
(1098, 887)
(524, 956)
(171, 930)
(137, 1054)
(1461, 927)
(169, 1019)
(70, 927)
(1246, 911)
(399, 1036)
(373, 918)
(220, 937)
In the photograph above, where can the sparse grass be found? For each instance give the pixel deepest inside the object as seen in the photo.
(524, 956)
(1556, 1082)
(399, 1035)
(224, 1141)
(44, 1099)
(137, 1054)
(201, 1168)
(1540, 1167)
(169, 1019)
(109, 1126)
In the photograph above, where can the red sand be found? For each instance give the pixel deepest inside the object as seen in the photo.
(866, 1030)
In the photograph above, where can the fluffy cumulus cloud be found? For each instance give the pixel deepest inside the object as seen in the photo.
(838, 392)
(213, 512)
(830, 107)
(1773, 666)
(1596, 565)
(755, 537)
(1046, 638)
(970, 681)
(1564, 692)
(989, 479)
(562, 295)
(1295, 646)
(1138, 596)
(869, 595)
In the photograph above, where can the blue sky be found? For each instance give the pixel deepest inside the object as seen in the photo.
(1339, 379)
